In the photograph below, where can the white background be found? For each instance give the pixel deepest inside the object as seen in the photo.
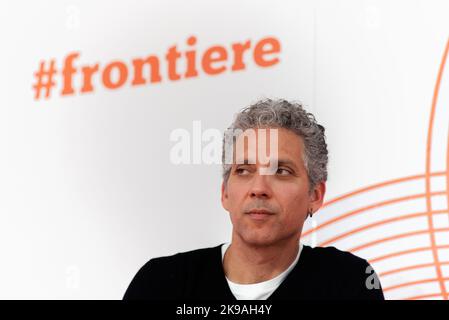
(87, 191)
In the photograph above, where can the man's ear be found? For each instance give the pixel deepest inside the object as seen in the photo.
(224, 196)
(317, 196)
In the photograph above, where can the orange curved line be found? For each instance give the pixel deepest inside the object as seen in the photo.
(427, 194)
(416, 266)
(428, 169)
(397, 236)
(411, 283)
(447, 172)
(379, 223)
(424, 296)
(380, 185)
(372, 206)
(403, 252)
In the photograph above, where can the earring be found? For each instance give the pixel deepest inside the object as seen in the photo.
(310, 212)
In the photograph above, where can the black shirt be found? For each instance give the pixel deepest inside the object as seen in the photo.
(320, 273)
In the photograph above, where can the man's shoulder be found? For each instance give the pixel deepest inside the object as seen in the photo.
(325, 258)
(185, 256)
(342, 274)
(337, 255)
(162, 277)
(169, 263)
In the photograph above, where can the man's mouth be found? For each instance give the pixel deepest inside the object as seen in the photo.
(260, 214)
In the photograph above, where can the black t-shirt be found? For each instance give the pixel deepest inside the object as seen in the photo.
(320, 273)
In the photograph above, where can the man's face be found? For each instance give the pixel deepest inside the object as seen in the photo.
(268, 208)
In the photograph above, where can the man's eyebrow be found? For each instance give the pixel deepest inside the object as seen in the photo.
(286, 162)
(244, 161)
(280, 162)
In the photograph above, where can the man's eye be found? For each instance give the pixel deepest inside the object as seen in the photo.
(241, 171)
(283, 172)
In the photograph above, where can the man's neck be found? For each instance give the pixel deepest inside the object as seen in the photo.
(245, 263)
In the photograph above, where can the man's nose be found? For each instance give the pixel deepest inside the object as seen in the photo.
(260, 187)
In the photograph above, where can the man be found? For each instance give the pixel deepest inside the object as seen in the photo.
(268, 199)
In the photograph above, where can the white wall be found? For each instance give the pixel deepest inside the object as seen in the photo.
(87, 191)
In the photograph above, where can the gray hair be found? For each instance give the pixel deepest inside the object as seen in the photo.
(281, 113)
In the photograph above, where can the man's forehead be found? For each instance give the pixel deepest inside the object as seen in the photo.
(266, 147)
(281, 140)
